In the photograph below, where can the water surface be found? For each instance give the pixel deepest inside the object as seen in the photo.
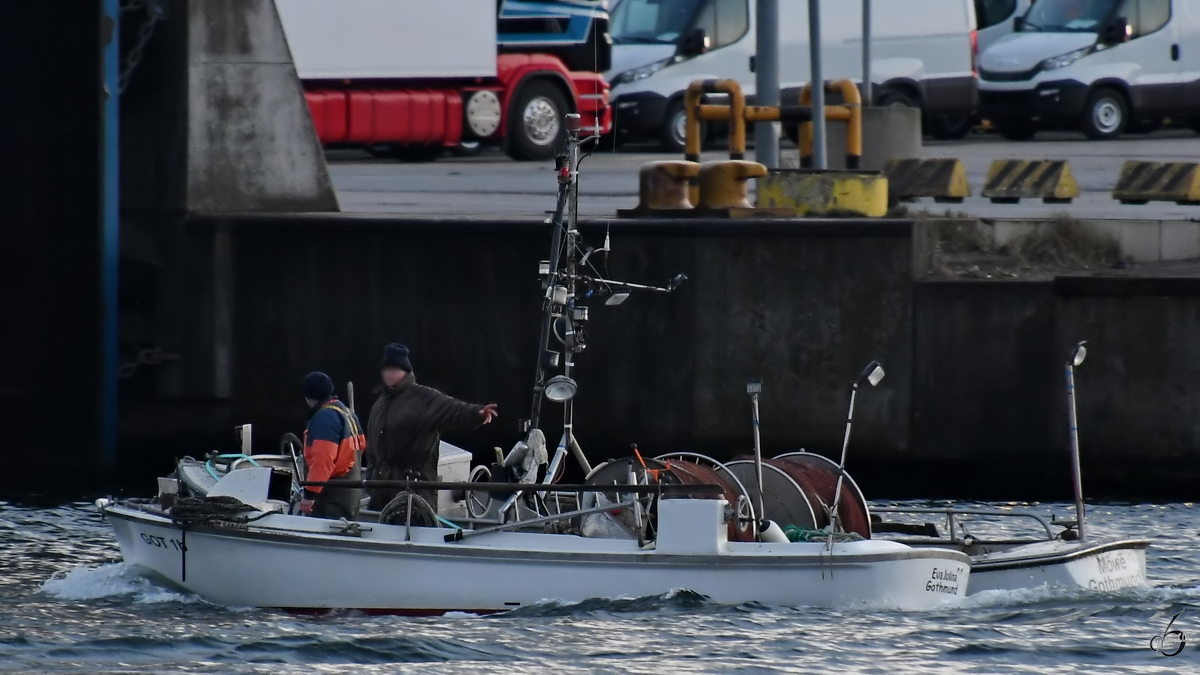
(71, 606)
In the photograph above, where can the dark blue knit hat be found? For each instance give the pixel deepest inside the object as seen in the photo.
(318, 386)
(395, 355)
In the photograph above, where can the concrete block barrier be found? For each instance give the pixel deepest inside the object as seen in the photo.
(1011, 180)
(824, 193)
(1142, 182)
(943, 179)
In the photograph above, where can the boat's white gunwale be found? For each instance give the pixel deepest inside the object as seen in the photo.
(800, 558)
(1057, 558)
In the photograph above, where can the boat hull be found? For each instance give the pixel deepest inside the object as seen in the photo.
(295, 563)
(1108, 566)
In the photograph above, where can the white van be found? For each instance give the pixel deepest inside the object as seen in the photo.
(1102, 66)
(995, 19)
(922, 55)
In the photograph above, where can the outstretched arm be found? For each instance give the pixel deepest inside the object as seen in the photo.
(452, 415)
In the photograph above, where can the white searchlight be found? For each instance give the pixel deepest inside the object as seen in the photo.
(560, 389)
(1079, 354)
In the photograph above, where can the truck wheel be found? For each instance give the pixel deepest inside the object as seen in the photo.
(418, 153)
(535, 121)
(1016, 129)
(896, 98)
(672, 135)
(1106, 114)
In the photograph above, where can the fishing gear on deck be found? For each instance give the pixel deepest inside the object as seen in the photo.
(656, 488)
(190, 512)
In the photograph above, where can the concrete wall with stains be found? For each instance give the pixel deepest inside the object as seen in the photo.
(972, 406)
(251, 142)
(214, 118)
(803, 305)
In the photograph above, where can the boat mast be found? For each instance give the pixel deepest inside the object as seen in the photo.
(563, 316)
(573, 123)
(566, 171)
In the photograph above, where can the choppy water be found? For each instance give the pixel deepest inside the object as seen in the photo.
(69, 605)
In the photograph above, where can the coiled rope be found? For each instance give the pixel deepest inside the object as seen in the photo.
(190, 512)
(212, 472)
(797, 533)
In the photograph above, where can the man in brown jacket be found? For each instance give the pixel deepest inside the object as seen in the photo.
(406, 423)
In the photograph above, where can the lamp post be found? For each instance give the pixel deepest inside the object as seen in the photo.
(872, 375)
(754, 388)
(1077, 356)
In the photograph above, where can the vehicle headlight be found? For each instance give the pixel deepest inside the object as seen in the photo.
(1064, 60)
(640, 73)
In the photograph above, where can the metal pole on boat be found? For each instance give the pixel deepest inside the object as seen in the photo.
(350, 395)
(1077, 357)
(873, 374)
(545, 358)
(573, 127)
(754, 388)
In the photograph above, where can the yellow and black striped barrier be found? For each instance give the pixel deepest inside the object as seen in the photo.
(1011, 180)
(943, 179)
(1142, 182)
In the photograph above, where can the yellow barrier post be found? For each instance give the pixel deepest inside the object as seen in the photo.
(849, 112)
(737, 127)
(721, 187)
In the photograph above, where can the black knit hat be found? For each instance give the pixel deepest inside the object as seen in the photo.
(318, 386)
(395, 355)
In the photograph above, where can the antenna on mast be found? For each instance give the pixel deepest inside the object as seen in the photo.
(567, 288)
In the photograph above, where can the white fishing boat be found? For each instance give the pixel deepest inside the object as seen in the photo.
(1011, 563)
(511, 535)
(270, 559)
(1071, 557)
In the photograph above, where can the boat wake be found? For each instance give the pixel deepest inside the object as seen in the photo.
(1134, 595)
(678, 600)
(111, 580)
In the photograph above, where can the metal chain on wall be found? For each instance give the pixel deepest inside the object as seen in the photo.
(154, 13)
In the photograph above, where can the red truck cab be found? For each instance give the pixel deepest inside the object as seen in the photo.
(416, 78)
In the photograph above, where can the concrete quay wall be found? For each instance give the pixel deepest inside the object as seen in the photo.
(972, 406)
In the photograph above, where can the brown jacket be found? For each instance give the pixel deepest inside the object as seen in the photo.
(404, 430)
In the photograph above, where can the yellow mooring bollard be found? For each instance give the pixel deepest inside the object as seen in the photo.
(723, 184)
(665, 188)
